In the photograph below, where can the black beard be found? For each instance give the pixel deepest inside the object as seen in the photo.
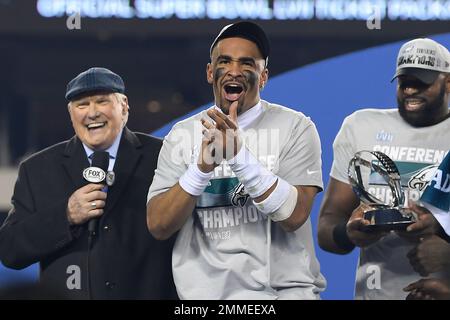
(430, 115)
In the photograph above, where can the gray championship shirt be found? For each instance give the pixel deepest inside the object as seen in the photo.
(227, 249)
(384, 269)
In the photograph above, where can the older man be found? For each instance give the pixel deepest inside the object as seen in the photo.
(90, 238)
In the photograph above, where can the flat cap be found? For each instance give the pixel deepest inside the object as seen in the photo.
(246, 30)
(94, 79)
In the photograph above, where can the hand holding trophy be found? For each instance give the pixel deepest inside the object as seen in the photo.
(382, 216)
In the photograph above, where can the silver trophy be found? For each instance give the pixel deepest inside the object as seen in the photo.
(378, 167)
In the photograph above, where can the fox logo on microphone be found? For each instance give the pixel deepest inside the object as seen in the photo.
(94, 174)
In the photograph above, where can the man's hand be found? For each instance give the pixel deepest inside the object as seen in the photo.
(425, 225)
(86, 203)
(207, 161)
(430, 255)
(428, 289)
(224, 134)
(357, 228)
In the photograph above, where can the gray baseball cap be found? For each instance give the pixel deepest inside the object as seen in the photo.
(424, 59)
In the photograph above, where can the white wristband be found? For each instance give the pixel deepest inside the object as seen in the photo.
(194, 181)
(286, 209)
(280, 204)
(252, 174)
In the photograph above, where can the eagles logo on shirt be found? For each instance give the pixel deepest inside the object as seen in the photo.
(421, 179)
(239, 197)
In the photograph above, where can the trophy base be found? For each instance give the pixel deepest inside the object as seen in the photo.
(388, 219)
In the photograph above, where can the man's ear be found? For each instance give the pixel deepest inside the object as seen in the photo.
(125, 104)
(447, 83)
(209, 73)
(263, 79)
(69, 109)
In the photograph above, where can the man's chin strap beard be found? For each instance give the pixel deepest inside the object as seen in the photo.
(433, 113)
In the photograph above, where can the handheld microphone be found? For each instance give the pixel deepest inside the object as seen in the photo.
(96, 173)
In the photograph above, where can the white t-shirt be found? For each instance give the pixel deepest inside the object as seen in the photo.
(384, 268)
(227, 249)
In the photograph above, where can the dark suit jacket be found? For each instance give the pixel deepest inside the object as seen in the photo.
(125, 261)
